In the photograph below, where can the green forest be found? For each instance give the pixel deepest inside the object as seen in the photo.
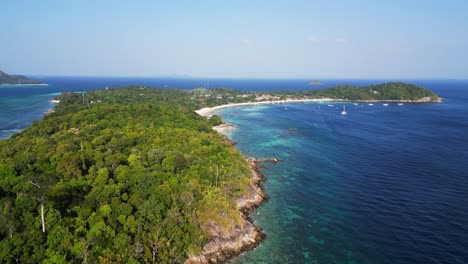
(392, 91)
(385, 91)
(128, 175)
(15, 79)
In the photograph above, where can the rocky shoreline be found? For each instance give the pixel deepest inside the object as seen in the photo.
(242, 237)
(224, 128)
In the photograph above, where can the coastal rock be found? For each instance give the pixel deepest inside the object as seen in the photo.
(223, 244)
(223, 128)
(271, 160)
(428, 100)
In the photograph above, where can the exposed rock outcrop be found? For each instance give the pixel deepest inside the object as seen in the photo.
(224, 245)
(223, 128)
(271, 160)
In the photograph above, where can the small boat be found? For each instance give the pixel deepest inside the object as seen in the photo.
(385, 104)
(355, 104)
(400, 104)
(371, 104)
(330, 105)
(344, 111)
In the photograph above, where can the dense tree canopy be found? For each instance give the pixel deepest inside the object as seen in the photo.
(15, 79)
(385, 91)
(125, 175)
(392, 91)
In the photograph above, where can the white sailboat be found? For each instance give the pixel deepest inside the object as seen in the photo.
(344, 111)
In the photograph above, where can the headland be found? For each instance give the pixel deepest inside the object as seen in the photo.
(7, 79)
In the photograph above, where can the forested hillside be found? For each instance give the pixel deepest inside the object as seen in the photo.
(392, 91)
(121, 175)
(15, 79)
(382, 92)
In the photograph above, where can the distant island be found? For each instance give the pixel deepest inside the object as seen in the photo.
(389, 92)
(6, 79)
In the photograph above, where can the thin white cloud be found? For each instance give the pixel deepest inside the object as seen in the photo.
(340, 40)
(314, 39)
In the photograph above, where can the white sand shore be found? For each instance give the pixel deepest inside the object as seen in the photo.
(209, 110)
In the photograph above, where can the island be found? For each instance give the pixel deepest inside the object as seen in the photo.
(135, 175)
(6, 79)
(396, 92)
(386, 92)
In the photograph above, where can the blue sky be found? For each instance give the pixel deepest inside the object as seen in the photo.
(252, 39)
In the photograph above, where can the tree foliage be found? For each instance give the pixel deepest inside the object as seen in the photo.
(385, 91)
(126, 175)
(15, 79)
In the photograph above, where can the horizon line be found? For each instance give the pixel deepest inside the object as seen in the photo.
(256, 78)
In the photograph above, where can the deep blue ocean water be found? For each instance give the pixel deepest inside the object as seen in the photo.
(383, 184)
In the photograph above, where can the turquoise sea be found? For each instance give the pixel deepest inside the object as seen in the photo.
(383, 184)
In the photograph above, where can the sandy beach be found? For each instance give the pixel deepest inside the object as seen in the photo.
(209, 110)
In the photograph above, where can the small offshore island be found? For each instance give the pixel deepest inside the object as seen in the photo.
(6, 79)
(135, 175)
